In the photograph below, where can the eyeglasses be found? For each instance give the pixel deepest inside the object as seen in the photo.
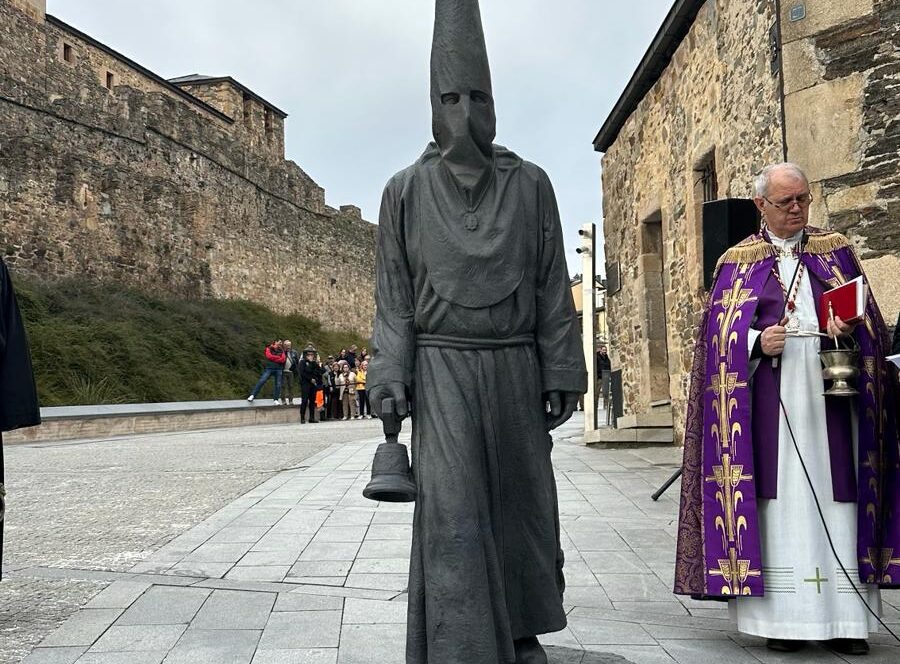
(803, 200)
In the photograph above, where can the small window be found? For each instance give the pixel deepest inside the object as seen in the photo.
(248, 110)
(707, 179)
(706, 189)
(110, 80)
(68, 53)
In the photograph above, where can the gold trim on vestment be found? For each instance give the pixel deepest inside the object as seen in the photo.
(823, 243)
(755, 249)
(751, 250)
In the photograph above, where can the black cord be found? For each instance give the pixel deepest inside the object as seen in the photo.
(825, 525)
(787, 421)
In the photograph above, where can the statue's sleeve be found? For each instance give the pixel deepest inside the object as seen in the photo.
(393, 335)
(18, 396)
(557, 334)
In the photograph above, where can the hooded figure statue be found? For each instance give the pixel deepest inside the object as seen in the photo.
(476, 335)
(18, 395)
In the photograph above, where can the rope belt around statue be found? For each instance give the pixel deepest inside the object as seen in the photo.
(471, 343)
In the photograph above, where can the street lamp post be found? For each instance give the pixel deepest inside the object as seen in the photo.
(587, 250)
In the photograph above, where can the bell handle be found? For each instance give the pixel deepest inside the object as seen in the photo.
(389, 420)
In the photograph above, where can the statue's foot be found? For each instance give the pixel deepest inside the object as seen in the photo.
(529, 651)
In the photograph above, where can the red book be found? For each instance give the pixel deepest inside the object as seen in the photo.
(847, 302)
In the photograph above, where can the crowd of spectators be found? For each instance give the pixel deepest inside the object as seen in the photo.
(329, 389)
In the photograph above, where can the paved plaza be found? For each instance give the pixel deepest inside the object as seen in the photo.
(291, 565)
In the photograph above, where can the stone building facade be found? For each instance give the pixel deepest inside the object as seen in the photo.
(179, 187)
(727, 87)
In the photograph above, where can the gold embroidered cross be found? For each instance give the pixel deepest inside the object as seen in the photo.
(735, 573)
(818, 580)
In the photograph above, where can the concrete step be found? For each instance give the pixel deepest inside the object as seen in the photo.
(653, 419)
(629, 437)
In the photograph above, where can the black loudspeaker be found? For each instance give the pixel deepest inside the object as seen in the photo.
(725, 223)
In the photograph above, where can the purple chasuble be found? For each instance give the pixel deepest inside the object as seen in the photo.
(731, 432)
(765, 415)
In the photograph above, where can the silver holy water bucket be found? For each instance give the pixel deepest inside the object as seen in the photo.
(841, 366)
(392, 479)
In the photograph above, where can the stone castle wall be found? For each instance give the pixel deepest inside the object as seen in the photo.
(716, 99)
(257, 127)
(138, 184)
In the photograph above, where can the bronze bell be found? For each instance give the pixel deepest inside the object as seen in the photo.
(392, 479)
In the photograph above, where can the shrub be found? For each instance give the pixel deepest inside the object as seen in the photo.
(95, 343)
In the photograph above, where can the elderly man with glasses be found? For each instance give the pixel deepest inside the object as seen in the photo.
(790, 506)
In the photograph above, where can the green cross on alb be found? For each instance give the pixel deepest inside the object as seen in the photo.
(818, 580)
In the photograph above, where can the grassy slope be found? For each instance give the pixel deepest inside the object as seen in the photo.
(102, 343)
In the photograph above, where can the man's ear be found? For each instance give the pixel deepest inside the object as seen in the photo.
(760, 204)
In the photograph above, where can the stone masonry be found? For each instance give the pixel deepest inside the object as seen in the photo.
(714, 101)
(110, 172)
(718, 103)
(842, 103)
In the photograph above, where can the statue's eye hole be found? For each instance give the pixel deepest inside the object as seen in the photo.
(479, 97)
(450, 98)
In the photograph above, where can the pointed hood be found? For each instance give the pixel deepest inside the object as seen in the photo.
(458, 52)
(462, 103)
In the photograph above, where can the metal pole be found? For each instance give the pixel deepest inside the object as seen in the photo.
(669, 482)
(589, 321)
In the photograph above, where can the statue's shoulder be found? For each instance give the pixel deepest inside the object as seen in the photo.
(531, 176)
(507, 160)
(401, 180)
(821, 241)
(401, 177)
(751, 249)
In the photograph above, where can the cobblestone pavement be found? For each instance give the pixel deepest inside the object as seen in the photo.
(107, 505)
(301, 569)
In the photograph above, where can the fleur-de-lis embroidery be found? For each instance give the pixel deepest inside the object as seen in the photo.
(871, 461)
(880, 560)
(728, 478)
(731, 302)
(724, 385)
(869, 365)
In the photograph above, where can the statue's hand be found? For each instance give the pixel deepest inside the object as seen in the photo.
(395, 391)
(561, 406)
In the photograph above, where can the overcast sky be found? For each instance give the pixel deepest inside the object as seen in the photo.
(353, 77)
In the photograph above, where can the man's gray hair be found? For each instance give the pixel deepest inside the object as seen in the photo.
(761, 182)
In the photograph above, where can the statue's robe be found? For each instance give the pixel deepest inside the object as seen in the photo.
(18, 396)
(743, 491)
(895, 347)
(475, 317)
